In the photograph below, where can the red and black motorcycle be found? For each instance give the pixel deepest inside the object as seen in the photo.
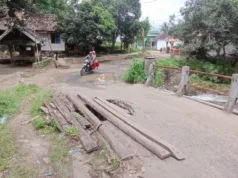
(87, 68)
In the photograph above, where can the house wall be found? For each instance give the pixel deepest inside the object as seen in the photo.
(161, 44)
(48, 46)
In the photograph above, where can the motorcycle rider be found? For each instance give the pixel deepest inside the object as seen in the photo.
(90, 58)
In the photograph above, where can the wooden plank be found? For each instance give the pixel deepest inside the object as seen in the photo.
(54, 116)
(89, 143)
(82, 121)
(44, 110)
(62, 108)
(119, 148)
(67, 103)
(148, 134)
(147, 143)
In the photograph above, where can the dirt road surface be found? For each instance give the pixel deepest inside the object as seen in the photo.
(208, 137)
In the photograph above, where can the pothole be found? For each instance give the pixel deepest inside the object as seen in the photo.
(98, 77)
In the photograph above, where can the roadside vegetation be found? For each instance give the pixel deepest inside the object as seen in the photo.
(59, 157)
(10, 101)
(136, 74)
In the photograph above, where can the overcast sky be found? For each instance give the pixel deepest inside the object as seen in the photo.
(159, 11)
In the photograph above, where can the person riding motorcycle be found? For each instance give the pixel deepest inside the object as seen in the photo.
(90, 58)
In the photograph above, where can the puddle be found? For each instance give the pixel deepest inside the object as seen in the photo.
(97, 77)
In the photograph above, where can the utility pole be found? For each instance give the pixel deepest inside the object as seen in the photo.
(143, 44)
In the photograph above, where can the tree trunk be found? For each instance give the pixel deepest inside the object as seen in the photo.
(224, 50)
(104, 130)
(89, 143)
(135, 135)
(113, 43)
(108, 106)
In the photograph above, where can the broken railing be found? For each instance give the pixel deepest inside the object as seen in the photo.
(184, 82)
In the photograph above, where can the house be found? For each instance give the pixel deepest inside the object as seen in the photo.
(160, 41)
(165, 42)
(150, 35)
(38, 35)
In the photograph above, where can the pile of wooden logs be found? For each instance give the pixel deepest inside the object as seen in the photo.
(84, 112)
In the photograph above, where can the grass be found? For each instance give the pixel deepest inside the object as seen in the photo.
(208, 84)
(40, 124)
(39, 99)
(11, 99)
(135, 73)
(59, 156)
(72, 132)
(19, 170)
(101, 160)
(7, 148)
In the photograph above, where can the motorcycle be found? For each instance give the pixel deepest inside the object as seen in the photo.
(87, 68)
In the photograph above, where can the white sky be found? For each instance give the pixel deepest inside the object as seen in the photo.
(159, 11)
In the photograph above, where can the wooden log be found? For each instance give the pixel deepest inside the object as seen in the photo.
(82, 121)
(52, 105)
(176, 153)
(114, 107)
(44, 110)
(84, 110)
(123, 105)
(148, 144)
(89, 144)
(53, 115)
(47, 120)
(117, 146)
(67, 103)
(59, 119)
(62, 108)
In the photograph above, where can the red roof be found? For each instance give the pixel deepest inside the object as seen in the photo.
(161, 36)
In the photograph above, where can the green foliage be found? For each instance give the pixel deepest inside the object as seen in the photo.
(72, 132)
(57, 7)
(87, 25)
(7, 148)
(38, 100)
(58, 152)
(135, 73)
(207, 25)
(43, 128)
(10, 99)
(204, 66)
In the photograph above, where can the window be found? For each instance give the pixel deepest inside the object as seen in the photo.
(55, 39)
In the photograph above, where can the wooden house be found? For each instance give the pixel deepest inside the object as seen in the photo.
(36, 36)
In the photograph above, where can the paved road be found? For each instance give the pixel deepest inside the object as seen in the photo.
(208, 137)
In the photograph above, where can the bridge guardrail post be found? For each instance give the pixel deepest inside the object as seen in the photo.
(232, 95)
(183, 81)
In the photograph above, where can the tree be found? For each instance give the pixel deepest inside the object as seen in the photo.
(58, 7)
(207, 25)
(88, 25)
(126, 14)
(167, 26)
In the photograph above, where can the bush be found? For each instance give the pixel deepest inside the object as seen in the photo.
(135, 73)
(217, 67)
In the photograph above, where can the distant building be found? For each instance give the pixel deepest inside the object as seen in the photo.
(37, 35)
(150, 35)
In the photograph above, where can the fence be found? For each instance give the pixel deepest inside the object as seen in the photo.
(185, 71)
